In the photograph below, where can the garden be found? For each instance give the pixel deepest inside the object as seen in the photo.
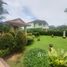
(33, 48)
(59, 53)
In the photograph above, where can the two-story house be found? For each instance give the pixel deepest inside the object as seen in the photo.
(38, 24)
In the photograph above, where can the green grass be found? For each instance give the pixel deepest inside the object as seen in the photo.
(58, 42)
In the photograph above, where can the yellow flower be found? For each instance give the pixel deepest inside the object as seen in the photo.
(61, 61)
(53, 52)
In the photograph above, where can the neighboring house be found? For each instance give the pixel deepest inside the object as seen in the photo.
(38, 24)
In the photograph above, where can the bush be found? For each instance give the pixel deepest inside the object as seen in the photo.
(21, 40)
(30, 40)
(7, 41)
(10, 42)
(29, 34)
(64, 37)
(49, 32)
(36, 34)
(4, 52)
(52, 35)
(7, 44)
(58, 58)
(36, 58)
(38, 39)
(13, 33)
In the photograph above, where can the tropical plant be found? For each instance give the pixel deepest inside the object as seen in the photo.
(58, 58)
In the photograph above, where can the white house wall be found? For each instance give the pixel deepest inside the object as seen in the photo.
(37, 26)
(31, 25)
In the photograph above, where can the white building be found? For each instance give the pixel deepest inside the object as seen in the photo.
(38, 24)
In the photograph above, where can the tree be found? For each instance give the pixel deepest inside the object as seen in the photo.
(52, 27)
(62, 27)
(4, 27)
(2, 10)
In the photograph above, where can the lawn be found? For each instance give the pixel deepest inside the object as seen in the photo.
(58, 42)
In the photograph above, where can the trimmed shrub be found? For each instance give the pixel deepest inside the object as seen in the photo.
(49, 32)
(36, 58)
(21, 40)
(52, 35)
(7, 44)
(7, 41)
(11, 42)
(30, 40)
(38, 39)
(36, 34)
(64, 37)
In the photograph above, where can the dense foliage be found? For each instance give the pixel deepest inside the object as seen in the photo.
(30, 40)
(58, 58)
(4, 27)
(21, 40)
(7, 44)
(6, 41)
(50, 32)
(36, 58)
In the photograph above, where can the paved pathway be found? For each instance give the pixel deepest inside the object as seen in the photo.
(3, 63)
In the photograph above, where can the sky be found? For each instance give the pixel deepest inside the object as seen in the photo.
(51, 11)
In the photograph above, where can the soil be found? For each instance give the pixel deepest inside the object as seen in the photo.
(13, 57)
(3, 63)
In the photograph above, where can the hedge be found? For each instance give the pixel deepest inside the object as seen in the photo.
(43, 32)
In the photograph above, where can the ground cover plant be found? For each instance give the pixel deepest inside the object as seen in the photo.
(36, 58)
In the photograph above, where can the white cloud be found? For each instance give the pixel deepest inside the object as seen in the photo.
(50, 10)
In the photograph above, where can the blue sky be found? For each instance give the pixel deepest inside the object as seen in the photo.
(50, 10)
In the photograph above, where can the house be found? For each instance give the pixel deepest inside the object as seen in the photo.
(16, 23)
(38, 24)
